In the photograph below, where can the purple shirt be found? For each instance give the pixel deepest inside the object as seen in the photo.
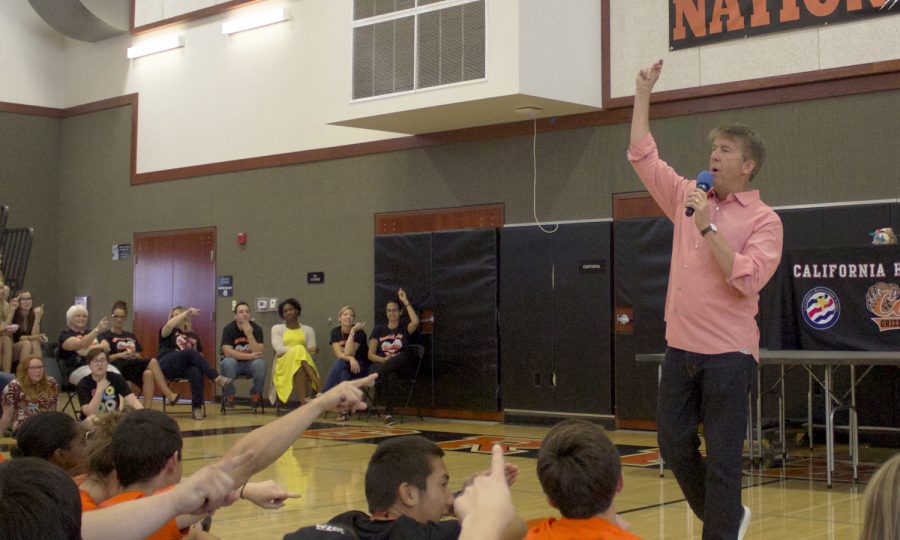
(708, 312)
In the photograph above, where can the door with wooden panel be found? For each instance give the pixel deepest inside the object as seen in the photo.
(173, 268)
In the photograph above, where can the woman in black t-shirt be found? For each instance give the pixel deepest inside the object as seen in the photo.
(125, 354)
(388, 346)
(103, 392)
(75, 342)
(27, 338)
(179, 356)
(348, 340)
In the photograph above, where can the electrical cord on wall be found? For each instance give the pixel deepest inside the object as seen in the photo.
(534, 178)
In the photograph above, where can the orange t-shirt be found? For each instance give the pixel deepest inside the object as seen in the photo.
(169, 531)
(87, 502)
(581, 529)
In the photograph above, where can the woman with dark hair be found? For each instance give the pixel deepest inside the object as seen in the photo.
(55, 437)
(294, 345)
(38, 501)
(348, 340)
(76, 341)
(179, 356)
(125, 354)
(30, 393)
(103, 391)
(27, 338)
(389, 347)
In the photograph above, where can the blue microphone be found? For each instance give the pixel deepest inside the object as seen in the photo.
(704, 182)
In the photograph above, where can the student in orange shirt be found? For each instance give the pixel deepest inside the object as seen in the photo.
(581, 473)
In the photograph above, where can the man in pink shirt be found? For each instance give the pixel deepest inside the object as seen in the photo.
(722, 257)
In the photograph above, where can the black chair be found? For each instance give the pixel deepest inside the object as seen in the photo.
(407, 383)
(67, 389)
(181, 401)
(259, 406)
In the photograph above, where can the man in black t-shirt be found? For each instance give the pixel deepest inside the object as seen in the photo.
(407, 489)
(242, 354)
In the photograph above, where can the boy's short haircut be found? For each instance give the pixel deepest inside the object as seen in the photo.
(579, 468)
(142, 443)
(395, 461)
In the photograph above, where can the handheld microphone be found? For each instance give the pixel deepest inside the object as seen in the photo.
(704, 182)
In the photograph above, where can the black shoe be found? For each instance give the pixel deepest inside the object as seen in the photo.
(389, 421)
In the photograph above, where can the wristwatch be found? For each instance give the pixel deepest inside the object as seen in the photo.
(711, 228)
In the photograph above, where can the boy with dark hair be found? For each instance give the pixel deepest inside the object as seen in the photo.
(407, 489)
(580, 471)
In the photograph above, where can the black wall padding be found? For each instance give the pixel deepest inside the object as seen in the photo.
(556, 319)
(453, 274)
(404, 261)
(582, 318)
(15, 246)
(401, 261)
(526, 318)
(642, 253)
(464, 285)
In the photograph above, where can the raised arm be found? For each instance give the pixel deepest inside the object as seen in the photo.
(640, 114)
(176, 321)
(80, 343)
(413, 316)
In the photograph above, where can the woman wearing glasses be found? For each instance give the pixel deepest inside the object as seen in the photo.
(30, 393)
(389, 347)
(103, 392)
(125, 354)
(27, 338)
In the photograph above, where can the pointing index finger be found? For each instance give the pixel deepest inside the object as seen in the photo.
(497, 463)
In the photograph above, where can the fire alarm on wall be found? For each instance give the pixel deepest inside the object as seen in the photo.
(242, 238)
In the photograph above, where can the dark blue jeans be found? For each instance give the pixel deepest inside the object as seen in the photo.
(188, 364)
(340, 372)
(711, 389)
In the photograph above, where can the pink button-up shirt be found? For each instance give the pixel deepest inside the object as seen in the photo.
(708, 312)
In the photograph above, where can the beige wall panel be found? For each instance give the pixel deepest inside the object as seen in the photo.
(761, 56)
(848, 44)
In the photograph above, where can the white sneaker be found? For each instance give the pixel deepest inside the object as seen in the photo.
(745, 523)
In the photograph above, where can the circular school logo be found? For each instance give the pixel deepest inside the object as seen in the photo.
(821, 308)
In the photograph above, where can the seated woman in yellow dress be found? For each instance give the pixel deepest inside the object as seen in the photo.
(294, 345)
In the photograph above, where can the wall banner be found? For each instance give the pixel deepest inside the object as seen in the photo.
(698, 22)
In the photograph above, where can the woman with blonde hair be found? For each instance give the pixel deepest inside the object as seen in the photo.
(351, 351)
(30, 393)
(882, 514)
(294, 345)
